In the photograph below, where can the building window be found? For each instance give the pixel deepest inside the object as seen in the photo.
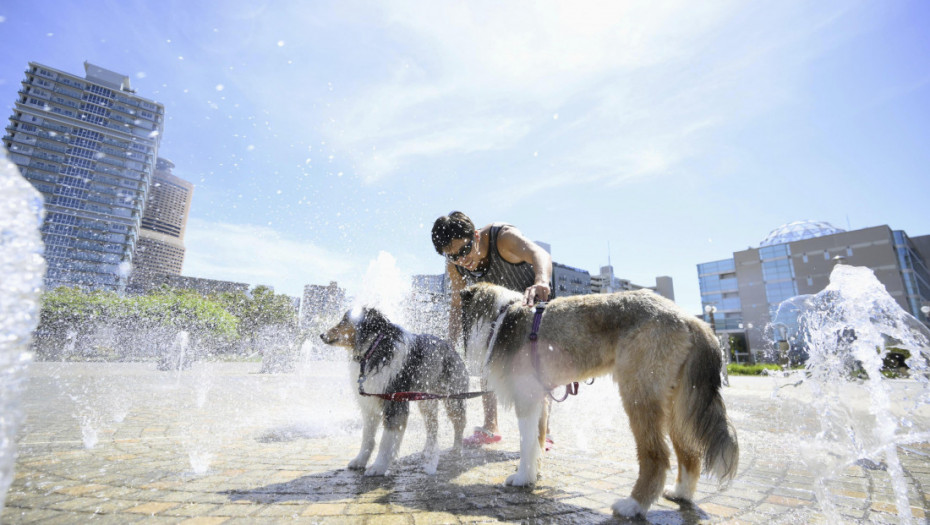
(778, 292)
(777, 270)
(773, 252)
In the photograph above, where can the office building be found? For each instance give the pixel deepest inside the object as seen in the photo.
(161, 239)
(89, 145)
(426, 309)
(320, 305)
(740, 295)
(567, 280)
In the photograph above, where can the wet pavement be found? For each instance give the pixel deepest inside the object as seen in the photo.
(124, 443)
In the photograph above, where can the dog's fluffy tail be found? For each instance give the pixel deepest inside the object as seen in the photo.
(705, 412)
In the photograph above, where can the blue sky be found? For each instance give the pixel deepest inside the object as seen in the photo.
(319, 134)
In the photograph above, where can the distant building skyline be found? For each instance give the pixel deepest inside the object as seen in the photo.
(566, 281)
(607, 282)
(89, 146)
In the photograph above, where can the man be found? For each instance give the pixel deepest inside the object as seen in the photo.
(499, 254)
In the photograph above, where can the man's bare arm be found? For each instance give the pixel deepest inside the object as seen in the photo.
(516, 248)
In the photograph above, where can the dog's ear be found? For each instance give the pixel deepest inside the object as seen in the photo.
(372, 322)
(374, 316)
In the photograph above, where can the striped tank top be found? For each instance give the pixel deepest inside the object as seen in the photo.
(517, 277)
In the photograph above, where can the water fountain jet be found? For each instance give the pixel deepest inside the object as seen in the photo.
(22, 268)
(846, 332)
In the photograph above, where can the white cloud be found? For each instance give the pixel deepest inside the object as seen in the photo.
(260, 255)
(467, 135)
(638, 85)
(482, 77)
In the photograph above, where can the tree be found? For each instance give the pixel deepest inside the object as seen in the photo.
(259, 311)
(99, 324)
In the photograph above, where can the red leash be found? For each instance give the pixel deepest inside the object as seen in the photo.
(403, 396)
(421, 396)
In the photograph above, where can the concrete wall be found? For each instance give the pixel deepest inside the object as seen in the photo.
(869, 247)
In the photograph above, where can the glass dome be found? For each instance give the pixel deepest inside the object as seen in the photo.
(798, 230)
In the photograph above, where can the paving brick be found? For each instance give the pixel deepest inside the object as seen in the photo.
(151, 508)
(204, 520)
(140, 470)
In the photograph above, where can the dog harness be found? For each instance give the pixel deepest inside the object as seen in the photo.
(570, 388)
(402, 396)
(494, 325)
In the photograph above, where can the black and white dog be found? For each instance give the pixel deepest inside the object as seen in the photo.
(393, 360)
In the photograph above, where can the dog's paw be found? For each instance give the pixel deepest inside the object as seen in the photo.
(627, 507)
(677, 495)
(358, 464)
(519, 479)
(376, 470)
(430, 463)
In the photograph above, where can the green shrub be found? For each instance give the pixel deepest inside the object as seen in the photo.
(738, 369)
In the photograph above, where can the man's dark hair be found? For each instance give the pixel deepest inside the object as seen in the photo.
(456, 225)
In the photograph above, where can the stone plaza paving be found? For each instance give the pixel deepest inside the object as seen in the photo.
(221, 443)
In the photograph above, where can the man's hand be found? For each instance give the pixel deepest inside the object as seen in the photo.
(537, 292)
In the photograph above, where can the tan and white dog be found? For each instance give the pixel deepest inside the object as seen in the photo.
(665, 362)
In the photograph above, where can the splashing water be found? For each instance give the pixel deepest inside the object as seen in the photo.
(203, 382)
(89, 435)
(384, 287)
(22, 268)
(181, 342)
(200, 461)
(846, 331)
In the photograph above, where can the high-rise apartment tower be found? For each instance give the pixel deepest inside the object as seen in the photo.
(160, 249)
(89, 146)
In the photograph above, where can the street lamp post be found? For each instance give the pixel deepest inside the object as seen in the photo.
(783, 347)
(710, 309)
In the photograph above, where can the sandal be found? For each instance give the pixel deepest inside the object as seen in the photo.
(481, 437)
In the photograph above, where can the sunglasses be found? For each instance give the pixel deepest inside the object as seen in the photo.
(457, 256)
